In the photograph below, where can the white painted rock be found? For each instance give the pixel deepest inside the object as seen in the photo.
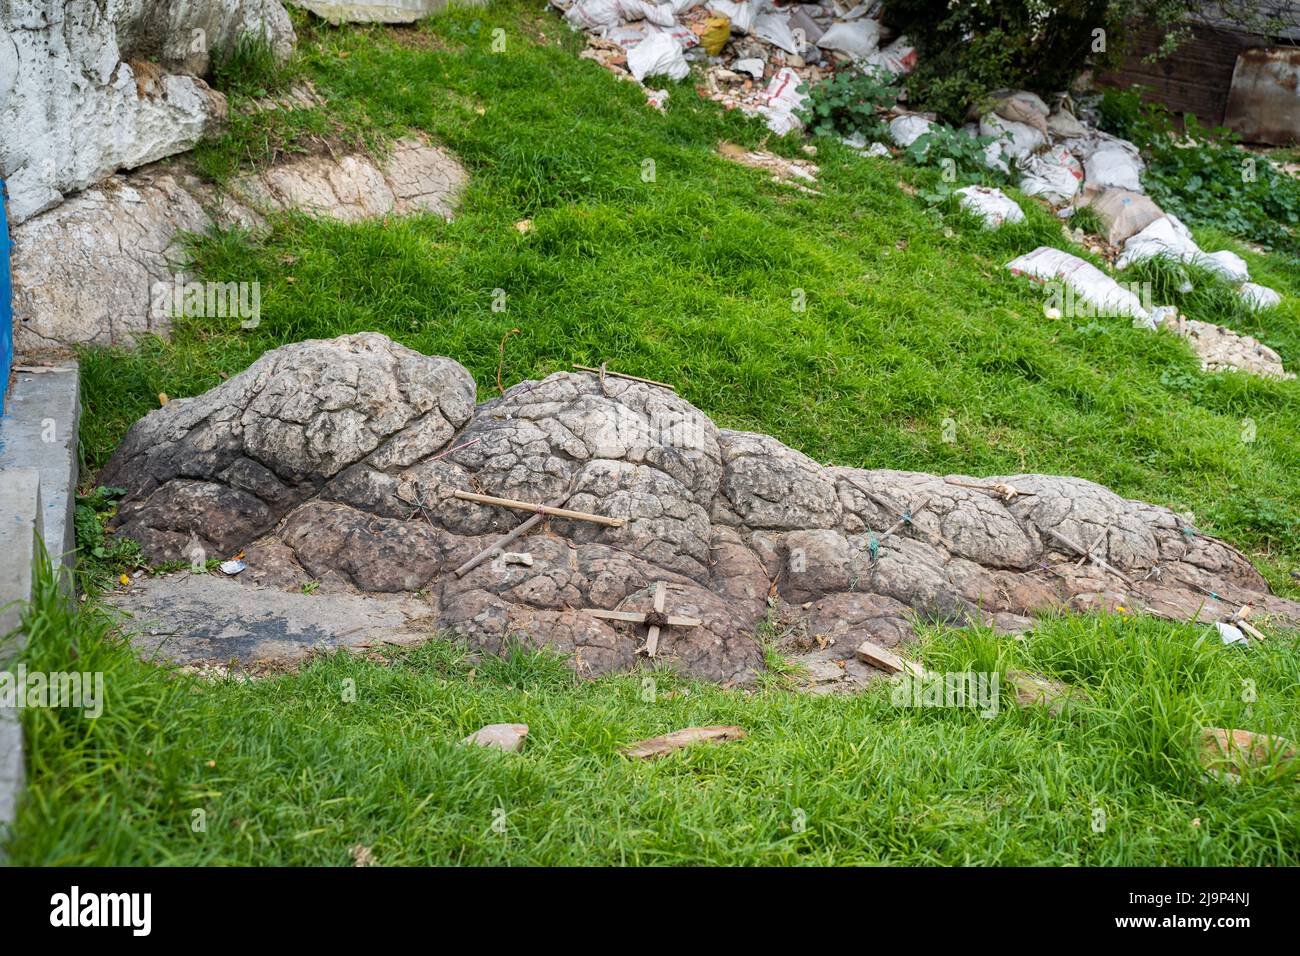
(94, 91)
(507, 737)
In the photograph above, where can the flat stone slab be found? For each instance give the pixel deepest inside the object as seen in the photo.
(206, 619)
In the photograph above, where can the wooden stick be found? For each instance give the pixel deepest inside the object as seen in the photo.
(637, 617)
(1091, 557)
(526, 525)
(538, 509)
(652, 636)
(602, 371)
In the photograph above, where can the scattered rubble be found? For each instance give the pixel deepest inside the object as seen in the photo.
(1221, 349)
(357, 463)
(1227, 754)
(797, 173)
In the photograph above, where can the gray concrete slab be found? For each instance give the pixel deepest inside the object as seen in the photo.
(212, 619)
(20, 526)
(39, 430)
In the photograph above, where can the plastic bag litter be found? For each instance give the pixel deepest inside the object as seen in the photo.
(1062, 124)
(751, 65)
(907, 129)
(1167, 237)
(1089, 283)
(1226, 264)
(594, 15)
(775, 29)
(1113, 165)
(1122, 212)
(993, 206)
(1023, 139)
(783, 98)
(1055, 176)
(800, 20)
(859, 39)
(1230, 634)
(658, 99)
(897, 59)
(717, 31)
(1259, 297)
(657, 55)
(741, 15)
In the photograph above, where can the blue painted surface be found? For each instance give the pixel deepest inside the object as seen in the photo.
(6, 301)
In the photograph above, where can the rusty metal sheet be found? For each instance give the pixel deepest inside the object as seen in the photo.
(1264, 100)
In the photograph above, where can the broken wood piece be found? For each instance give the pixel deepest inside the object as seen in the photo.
(1238, 620)
(662, 746)
(538, 509)
(652, 635)
(887, 660)
(602, 371)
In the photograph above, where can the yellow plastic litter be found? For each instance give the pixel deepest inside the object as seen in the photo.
(716, 32)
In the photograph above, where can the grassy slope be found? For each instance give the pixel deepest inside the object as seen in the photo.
(690, 278)
(289, 771)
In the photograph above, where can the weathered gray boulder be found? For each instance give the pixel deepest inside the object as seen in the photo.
(339, 460)
(96, 88)
(90, 270)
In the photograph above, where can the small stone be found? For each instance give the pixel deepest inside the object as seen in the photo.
(1034, 689)
(1225, 754)
(507, 737)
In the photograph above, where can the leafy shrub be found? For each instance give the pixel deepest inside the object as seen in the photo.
(958, 155)
(848, 103)
(101, 556)
(966, 50)
(1204, 178)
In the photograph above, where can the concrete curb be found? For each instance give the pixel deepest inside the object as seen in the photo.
(38, 486)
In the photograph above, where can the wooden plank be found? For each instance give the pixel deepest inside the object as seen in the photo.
(887, 660)
(638, 617)
(661, 746)
(538, 509)
(631, 378)
(652, 638)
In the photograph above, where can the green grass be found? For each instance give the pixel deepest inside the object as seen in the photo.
(911, 319)
(299, 769)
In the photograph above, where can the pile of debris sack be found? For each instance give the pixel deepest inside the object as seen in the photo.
(755, 55)
(762, 57)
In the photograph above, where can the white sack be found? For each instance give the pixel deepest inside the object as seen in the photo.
(858, 39)
(1259, 297)
(1112, 165)
(775, 29)
(905, 130)
(1089, 283)
(993, 206)
(657, 55)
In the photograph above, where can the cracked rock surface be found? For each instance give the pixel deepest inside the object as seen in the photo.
(338, 461)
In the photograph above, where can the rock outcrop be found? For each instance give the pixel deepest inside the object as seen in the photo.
(95, 88)
(378, 11)
(338, 461)
(87, 272)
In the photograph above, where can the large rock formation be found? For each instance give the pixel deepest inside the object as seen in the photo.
(337, 461)
(93, 88)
